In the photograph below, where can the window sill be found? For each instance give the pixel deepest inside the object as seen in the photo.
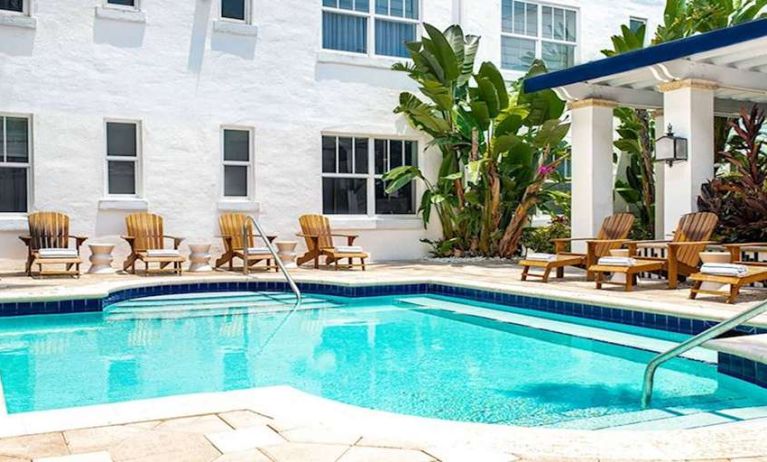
(13, 222)
(235, 28)
(352, 59)
(120, 14)
(124, 204)
(238, 206)
(18, 20)
(375, 223)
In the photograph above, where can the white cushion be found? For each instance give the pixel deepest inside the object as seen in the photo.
(57, 253)
(617, 261)
(541, 257)
(348, 249)
(163, 253)
(724, 269)
(258, 251)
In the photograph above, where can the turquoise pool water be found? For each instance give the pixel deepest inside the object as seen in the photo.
(428, 356)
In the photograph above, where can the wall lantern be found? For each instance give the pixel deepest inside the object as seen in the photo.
(670, 148)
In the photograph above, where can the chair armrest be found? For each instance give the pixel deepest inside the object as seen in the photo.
(570, 239)
(344, 235)
(312, 236)
(128, 238)
(79, 241)
(640, 243)
(738, 245)
(176, 240)
(692, 243)
(608, 241)
(26, 239)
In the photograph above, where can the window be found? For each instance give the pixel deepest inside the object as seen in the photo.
(14, 163)
(131, 4)
(352, 168)
(350, 25)
(123, 144)
(636, 23)
(236, 10)
(14, 6)
(531, 31)
(237, 162)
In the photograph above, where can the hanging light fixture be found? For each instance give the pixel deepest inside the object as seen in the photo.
(670, 148)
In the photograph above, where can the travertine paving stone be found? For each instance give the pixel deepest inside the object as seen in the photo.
(44, 445)
(288, 452)
(363, 454)
(244, 439)
(101, 456)
(254, 455)
(199, 424)
(98, 439)
(242, 419)
(157, 445)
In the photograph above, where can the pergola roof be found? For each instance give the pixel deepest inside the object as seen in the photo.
(734, 58)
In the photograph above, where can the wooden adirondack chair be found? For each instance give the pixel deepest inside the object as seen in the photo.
(315, 229)
(146, 238)
(232, 226)
(48, 244)
(612, 235)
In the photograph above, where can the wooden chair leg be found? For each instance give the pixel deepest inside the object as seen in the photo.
(546, 272)
(694, 290)
(734, 292)
(363, 263)
(525, 270)
(598, 278)
(630, 281)
(560, 272)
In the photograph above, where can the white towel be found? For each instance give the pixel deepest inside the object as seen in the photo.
(57, 253)
(617, 261)
(724, 269)
(348, 249)
(541, 257)
(258, 250)
(163, 253)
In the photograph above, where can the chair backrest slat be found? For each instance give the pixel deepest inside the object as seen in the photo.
(231, 224)
(48, 230)
(694, 227)
(615, 227)
(147, 229)
(316, 225)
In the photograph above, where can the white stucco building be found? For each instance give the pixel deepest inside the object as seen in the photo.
(192, 108)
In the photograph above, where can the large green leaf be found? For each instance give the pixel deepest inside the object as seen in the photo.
(421, 115)
(543, 105)
(486, 93)
(399, 177)
(493, 75)
(438, 93)
(551, 133)
(442, 49)
(480, 113)
(508, 125)
(504, 143)
(470, 54)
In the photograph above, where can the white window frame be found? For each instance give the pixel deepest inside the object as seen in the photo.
(370, 177)
(248, 7)
(136, 7)
(138, 160)
(370, 17)
(26, 9)
(224, 163)
(28, 164)
(539, 39)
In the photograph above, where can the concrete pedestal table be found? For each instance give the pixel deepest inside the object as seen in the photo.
(714, 257)
(286, 250)
(101, 259)
(199, 258)
(619, 278)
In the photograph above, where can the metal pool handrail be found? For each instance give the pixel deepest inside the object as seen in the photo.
(280, 265)
(689, 344)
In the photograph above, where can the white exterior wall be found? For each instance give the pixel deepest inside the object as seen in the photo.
(184, 80)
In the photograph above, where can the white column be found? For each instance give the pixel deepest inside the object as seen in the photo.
(660, 179)
(688, 105)
(592, 161)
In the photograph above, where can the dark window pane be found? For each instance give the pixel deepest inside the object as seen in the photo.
(400, 202)
(411, 9)
(395, 154)
(122, 2)
(344, 155)
(346, 4)
(517, 54)
(121, 139)
(558, 56)
(507, 18)
(380, 156)
(411, 153)
(237, 145)
(12, 5)
(17, 147)
(233, 9)
(344, 196)
(328, 154)
(362, 5)
(235, 181)
(330, 3)
(122, 177)
(361, 155)
(396, 8)
(13, 189)
(382, 6)
(391, 37)
(344, 32)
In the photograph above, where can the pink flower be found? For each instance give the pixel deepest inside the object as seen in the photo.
(546, 170)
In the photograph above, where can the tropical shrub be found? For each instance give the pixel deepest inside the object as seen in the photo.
(500, 147)
(738, 194)
(540, 239)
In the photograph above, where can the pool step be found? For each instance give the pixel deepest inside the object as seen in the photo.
(210, 304)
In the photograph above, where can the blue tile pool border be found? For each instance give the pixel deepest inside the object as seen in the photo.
(743, 368)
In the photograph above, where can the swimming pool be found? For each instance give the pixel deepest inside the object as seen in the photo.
(423, 355)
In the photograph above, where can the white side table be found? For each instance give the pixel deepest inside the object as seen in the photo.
(101, 259)
(199, 258)
(286, 250)
(714, 257)
(619, 277)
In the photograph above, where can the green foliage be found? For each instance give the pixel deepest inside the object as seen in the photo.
(540, 239)
(499, 146)
(683, 18)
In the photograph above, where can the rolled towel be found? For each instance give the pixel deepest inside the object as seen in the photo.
(724, 269)
(541, 257)
(348, 249)
(617, 261)
(163, 253)
(258, 250)
(57, 253)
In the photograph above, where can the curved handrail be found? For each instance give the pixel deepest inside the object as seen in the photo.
(280, 265)
(689, 344)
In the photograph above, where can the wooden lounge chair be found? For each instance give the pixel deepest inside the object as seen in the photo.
(754, 275)
(146, 238)
(612, 235)
(48, 244)
(232, 226)
(683, 252)
(315, 229)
